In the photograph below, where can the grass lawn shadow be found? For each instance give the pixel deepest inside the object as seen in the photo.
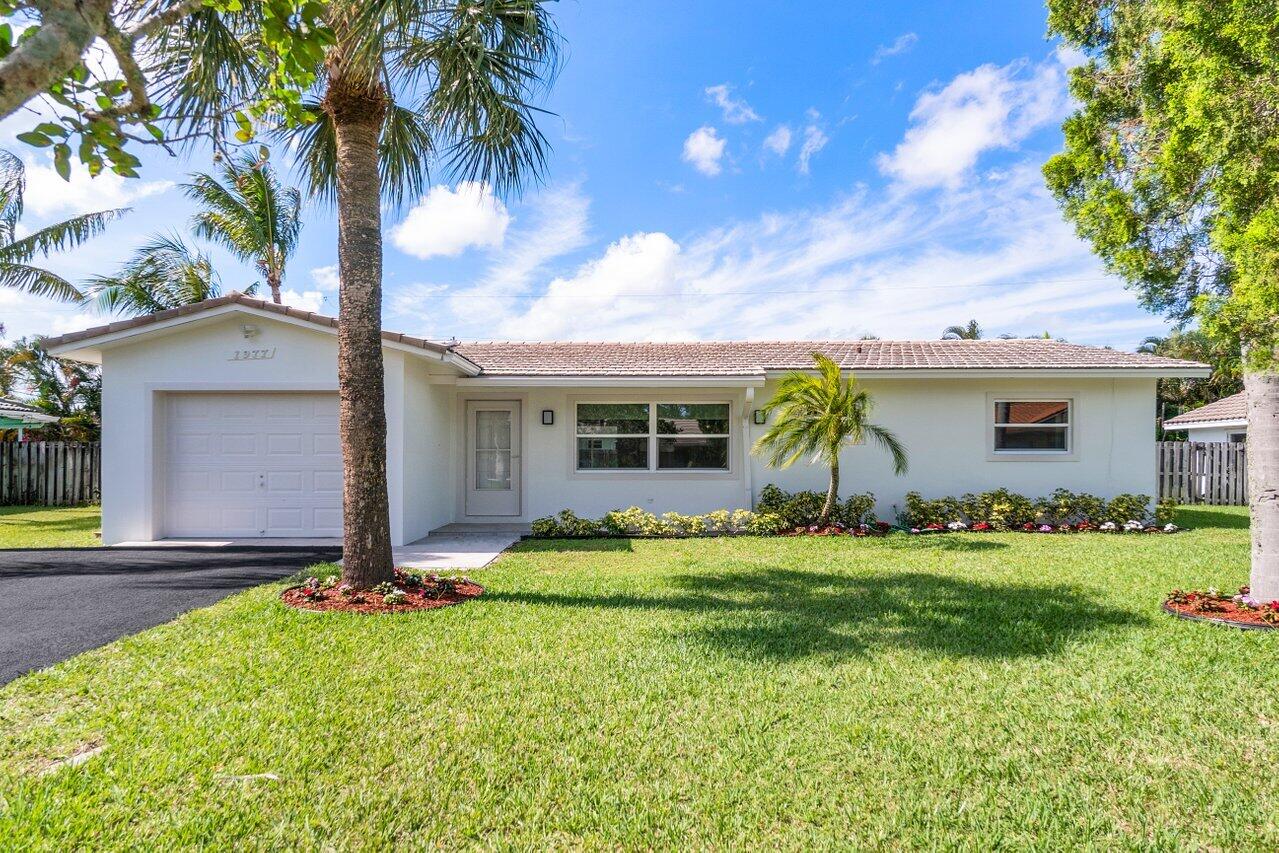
(1199, 517)
(784, 614)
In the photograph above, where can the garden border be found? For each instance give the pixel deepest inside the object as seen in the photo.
(1218, 620)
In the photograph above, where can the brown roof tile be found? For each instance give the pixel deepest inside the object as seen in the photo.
(1232, 408)
(740, 358)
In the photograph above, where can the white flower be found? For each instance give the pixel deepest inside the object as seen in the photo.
(1171, 528)
(1133, 525)
(1109, 525)
(957, 525)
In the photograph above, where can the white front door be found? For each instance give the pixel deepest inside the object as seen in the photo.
(252, 465)
(492, 458)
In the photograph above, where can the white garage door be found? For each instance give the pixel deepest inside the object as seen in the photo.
(248, 465)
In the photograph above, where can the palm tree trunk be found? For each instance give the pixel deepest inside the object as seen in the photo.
(832, 493)
(1262, 396)
(357, 112)
(273, 282)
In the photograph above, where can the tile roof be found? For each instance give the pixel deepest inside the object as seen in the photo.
(234, 297)
(9, 404)
(744, 358)
(1232, 408)
(721, 358)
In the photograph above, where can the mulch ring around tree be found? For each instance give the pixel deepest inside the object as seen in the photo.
(427, 593)
(1238, 611)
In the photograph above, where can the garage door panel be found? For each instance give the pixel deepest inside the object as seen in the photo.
(249, 465)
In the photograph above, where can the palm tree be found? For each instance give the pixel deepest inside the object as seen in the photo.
(69, 390)
(163, 273)
(817, 416)
(404, 84)
(249, 213)
(969, 332)
(16, 254)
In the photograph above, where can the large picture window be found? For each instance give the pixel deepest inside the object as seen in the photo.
(652, 436)
(1032, 426)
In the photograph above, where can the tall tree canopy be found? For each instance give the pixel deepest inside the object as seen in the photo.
(1171, 171)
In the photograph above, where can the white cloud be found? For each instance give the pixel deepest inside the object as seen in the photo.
(307, 300)
(447, 222)
(897, 265)
(704, 148)
(987, 108)
(48, 195)
(735, 110)
(779, 140)
(901, 44)
(552, 224)
(326, 278)
(814, 140)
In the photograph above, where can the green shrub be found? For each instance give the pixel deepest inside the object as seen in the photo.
(1004, 509)
(1165, 511)
(1065, 506)
(766, 524)
(920, 512)
(771, 499)
(545, 528)
(1122, 508)
(858, 509)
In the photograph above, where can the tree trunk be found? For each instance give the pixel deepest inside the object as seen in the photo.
(273, 282)
(357, 112)
(1261, 389)
(832, 493)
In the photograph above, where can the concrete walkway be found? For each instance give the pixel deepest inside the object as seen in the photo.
(440, 550)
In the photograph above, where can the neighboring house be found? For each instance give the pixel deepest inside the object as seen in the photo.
(1224, 420)
(20, 416)
(220, 419)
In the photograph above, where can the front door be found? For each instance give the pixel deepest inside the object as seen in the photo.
(492, 458)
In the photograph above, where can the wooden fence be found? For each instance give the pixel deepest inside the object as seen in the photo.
(50, 473)
(1204, 472)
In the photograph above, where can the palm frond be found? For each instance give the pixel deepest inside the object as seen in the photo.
(60, 236)
(38, 282)
(164, 273)
(816, 414)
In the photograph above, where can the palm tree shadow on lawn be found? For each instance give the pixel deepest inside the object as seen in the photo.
(789, 614)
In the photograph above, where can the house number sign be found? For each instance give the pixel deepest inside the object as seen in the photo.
(252, 354)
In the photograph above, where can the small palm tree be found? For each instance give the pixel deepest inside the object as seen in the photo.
(969, 332)
(164, 273)
(250, 213)
(816, 417)
(16, 254)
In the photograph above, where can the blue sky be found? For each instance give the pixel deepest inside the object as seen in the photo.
(741, 170)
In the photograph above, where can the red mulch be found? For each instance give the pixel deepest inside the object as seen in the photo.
(417, 599)
(1221, 610)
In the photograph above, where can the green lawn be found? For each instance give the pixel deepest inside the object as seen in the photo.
(49, 527)
(970, 691)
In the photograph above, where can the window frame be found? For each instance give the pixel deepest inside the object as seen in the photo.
(653, 437)
(1070, 427)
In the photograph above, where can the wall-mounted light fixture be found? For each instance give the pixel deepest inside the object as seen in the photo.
(760, 417)
(548, 417)
(249, 331)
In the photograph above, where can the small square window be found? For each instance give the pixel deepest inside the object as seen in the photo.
(1032, 426)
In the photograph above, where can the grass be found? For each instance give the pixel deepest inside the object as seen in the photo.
(49, 527)
(955, 691)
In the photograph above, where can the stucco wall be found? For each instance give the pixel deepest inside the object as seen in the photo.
(1213, 433)
(945, 424)
(429, 470)
(200, 357)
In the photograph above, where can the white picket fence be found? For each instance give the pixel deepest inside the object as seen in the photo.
(1204, 472)
(50, 473)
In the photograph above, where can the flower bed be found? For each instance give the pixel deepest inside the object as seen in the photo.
(1240, 610)
(409, 592)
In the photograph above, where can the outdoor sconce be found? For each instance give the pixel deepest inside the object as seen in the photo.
(760, 417)
(548, 417)
(249, 331)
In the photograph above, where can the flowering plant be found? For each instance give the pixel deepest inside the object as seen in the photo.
(1171, 528)
(1109, 527)
(397, 596)
(1133, 525)
(1045, 528)
(957, 525)
(983, 526)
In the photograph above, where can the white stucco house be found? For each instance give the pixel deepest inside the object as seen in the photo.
(220, 419)
(1223, 420)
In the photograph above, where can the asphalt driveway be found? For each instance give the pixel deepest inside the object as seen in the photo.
(58, 603)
